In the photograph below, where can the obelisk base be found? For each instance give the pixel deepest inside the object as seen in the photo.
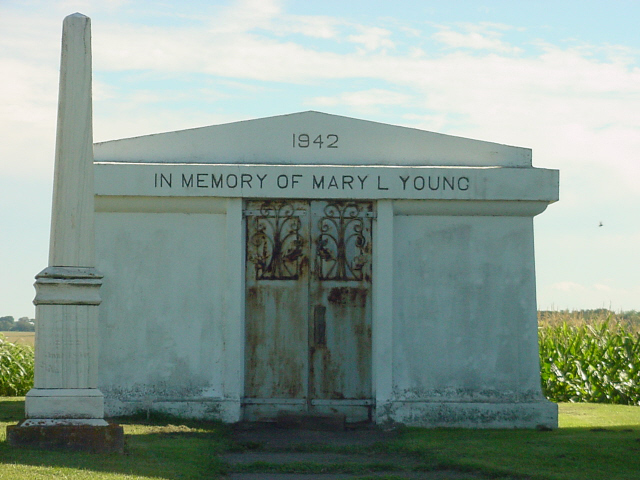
(54, 434)
(68, 419)
(65, 404)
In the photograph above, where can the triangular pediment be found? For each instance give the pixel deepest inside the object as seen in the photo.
(310, 138)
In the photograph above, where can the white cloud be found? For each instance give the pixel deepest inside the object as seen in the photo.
(88, 5)
(572, 295)
(311, 26)
(372, 38)
(568, 286)
(475, 37)
(603, 288)
(244, 15)
(28, 95)
(364, 98)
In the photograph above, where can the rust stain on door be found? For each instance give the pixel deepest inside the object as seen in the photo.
(308, 300)
(341, 282)
(276, 300)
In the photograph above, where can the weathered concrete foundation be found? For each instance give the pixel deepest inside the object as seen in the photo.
(542, 414)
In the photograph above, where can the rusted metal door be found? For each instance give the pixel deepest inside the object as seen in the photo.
(340, 307)
(308, 308)
(276, 323)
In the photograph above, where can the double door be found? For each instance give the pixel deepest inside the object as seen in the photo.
(308, 308)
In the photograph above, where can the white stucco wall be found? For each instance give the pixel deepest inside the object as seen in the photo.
(464, 323)
(464, 304)
(162, 325)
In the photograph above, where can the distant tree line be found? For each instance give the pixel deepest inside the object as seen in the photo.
(23, 324)
(594, 314)
(629, 319)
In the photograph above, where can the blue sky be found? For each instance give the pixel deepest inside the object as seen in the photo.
(562, 78)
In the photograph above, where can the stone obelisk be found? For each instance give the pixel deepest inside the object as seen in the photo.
(65, 406)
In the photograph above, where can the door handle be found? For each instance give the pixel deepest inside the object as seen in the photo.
(319, 325)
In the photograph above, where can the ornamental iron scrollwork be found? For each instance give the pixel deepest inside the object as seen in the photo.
(274, 241)
(343, 244)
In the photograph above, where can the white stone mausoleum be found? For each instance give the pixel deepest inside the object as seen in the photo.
(312, 263)
(305, 264)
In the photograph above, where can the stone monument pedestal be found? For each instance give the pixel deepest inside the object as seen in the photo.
(65, 409)
(79, 404)
(81, 437)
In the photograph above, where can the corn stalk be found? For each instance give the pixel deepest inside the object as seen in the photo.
(590, 363)
(16, 368)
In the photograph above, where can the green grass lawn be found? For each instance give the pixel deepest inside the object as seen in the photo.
(157, 450)
(593, 442)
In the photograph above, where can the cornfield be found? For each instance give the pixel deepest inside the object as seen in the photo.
(16, 368)
(581, 360)
(597, 363)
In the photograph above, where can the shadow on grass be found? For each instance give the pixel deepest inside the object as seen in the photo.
(594, 453)
(173, 449)
(11, 410)
(159, 447)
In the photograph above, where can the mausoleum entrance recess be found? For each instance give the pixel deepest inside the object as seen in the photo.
(308, 308)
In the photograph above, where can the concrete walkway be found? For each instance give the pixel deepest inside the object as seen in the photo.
(267, 452)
